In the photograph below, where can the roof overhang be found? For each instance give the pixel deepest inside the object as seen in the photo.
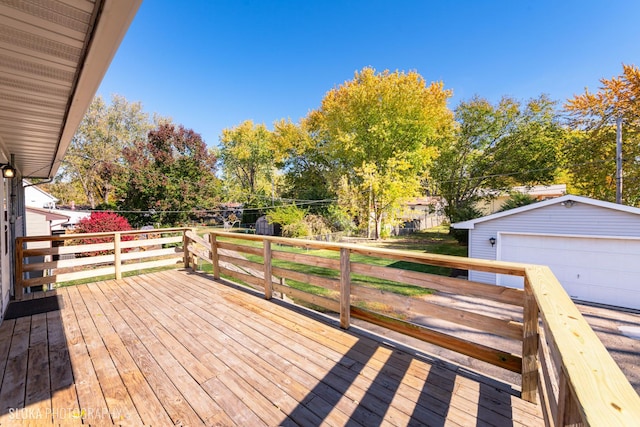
(49, 216)
(53, 56)
(567, 200)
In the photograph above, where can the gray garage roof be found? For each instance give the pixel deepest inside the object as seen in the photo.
(569, 198)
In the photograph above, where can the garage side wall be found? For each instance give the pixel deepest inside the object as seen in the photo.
(580, 219)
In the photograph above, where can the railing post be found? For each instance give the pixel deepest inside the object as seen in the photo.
(214, 256)
(268, 286)
(19, 290)
(117, 262)
(529, 344)
(345, 288)
(185, 246)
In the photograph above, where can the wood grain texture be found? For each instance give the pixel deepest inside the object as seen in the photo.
(512, 268)
(530, 363)
(442, 283)
(502, 327)
(511, 362)
(176, 347)
(604, 396)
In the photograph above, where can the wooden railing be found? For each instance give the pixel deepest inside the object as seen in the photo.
(43, 260)
(561, 359)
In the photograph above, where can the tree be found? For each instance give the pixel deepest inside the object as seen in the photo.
(517, 200)
(247, 156)
(306, 169)
(380, 128)
(171, 175)
(494, 148)
(590, 151)
(94, 158)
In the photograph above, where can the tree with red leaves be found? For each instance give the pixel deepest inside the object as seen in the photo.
(171, 174)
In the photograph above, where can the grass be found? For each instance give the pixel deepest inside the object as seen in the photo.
(435, 240)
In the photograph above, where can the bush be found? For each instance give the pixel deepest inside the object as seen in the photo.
(100, 222)
(291, 218)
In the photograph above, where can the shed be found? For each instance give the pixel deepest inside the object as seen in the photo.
(592, 246)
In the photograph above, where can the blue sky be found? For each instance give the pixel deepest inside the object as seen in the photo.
(212, 64)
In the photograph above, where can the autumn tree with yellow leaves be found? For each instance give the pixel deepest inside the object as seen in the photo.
(590, 151)
(379, 132)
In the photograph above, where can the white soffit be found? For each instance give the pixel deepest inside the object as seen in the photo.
(53, 56)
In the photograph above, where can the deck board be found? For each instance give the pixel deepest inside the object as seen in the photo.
(176, 347)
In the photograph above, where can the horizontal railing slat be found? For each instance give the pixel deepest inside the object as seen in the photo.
(490, 266)
(150, 242)
(252, 280)
(45, 238)
(501, 327)
(318, 300)
(240, 262)
(511, 362)
(442, 283)
(312, 279)
(240, 248)
(305, 259)
(151, 264)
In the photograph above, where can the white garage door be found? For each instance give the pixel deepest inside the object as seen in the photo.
(597, 269)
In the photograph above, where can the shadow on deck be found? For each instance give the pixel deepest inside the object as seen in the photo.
(177, 347)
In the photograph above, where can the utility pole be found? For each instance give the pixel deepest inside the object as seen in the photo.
(619, 160)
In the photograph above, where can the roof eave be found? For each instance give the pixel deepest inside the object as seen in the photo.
(111, 26)
(470, 225)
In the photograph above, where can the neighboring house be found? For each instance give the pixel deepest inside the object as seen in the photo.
(54, 55)
(36, 197)
(61, 219)
(495, 200)
(39, 223)
(420, 213)
(592, 247)
(73, 217)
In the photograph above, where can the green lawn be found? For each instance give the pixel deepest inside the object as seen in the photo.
(435, 241)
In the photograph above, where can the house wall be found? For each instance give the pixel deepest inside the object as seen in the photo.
(580, 219)
(37, 225)
(37, 198)
(5, 259)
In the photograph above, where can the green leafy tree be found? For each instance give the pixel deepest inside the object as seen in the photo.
(590, 151)
(496, 147)
(382, 129)
(248, 158)
(306, 168)
(517, 200)
(171, 175)
(94, 158)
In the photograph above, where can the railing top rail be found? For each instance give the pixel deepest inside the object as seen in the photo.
(490, 266)
(603, 393)
(45, 238)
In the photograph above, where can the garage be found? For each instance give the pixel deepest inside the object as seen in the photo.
(597, 269)
(592, 246)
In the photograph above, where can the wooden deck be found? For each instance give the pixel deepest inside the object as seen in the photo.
(179, 348)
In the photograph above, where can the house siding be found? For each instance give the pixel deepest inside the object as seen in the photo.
(581, 219)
